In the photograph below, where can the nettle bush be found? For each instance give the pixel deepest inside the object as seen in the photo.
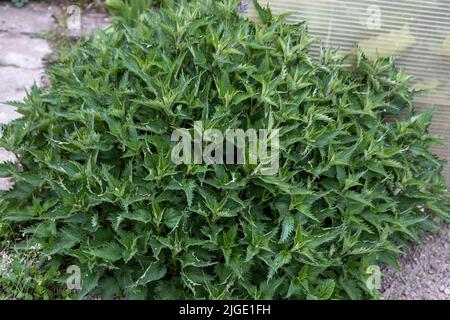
(96, 186)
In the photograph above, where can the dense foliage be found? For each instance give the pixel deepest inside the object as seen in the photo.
(96, 186)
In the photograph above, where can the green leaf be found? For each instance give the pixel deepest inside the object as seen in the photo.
(287, 227)
(110, 252)
(153, 272)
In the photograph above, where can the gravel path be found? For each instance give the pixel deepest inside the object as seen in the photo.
(425, 269)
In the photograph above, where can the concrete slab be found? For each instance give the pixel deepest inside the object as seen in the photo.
(18, 50)
(6, 184)
(7, 114)
(33, 18)
(15, 80)
(6, 156)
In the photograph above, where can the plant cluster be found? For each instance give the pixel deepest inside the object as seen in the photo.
(22, 278)
(95, 186)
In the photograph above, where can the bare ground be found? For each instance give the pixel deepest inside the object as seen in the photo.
(425, 271)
